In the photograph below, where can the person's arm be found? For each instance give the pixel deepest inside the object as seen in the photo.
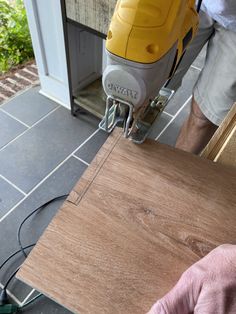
(208, 287)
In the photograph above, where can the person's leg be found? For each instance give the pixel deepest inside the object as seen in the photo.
(196, 131)
(214, 93)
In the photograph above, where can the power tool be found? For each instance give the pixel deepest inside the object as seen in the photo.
(145, 43)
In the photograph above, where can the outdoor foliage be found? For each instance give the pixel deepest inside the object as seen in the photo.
(15, 41)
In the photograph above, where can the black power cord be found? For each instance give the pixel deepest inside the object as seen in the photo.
(3, 293)
(5, 306)
(10, 278)
(31, 214)
(199, 5)
(15, 253)
(11, 308)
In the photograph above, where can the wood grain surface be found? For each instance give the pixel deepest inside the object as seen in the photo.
(95, 14)
(222, 146)
(135, 221)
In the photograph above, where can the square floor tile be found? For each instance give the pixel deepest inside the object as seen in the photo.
(159, 125)
(9, 196)
(59, 183)
(9, 129)
(30, 106)
(184, 92)
(90, 149)
(36, 153)
(171, 133)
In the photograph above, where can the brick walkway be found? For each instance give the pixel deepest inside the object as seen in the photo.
(17, 81)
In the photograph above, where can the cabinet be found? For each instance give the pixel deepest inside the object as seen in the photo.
(68, 40)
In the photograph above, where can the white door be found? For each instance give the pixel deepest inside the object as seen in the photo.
(46, 27)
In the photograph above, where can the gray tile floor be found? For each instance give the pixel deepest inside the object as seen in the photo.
(43, 153)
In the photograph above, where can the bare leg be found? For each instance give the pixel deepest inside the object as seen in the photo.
(196, 131)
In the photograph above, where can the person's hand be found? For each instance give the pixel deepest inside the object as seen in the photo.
(207, 287)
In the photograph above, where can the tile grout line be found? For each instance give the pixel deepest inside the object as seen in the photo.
(14, 298)
(27, 297)
(45, 178)
(13, 185)
(196, 68)
(83, 161)
(168, 114)
(13, 117)
(48, 114)
(174, 117)
(14, 139)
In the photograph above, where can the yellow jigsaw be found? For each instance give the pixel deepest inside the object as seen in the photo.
(145, 43)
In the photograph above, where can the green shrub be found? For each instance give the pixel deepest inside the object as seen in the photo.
(15, 41)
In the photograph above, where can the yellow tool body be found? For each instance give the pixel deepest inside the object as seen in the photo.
(145, 30)
(145, 43)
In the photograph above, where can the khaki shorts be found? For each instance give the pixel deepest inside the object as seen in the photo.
(215, 90)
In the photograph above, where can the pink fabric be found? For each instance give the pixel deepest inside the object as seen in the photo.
(207, 287)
